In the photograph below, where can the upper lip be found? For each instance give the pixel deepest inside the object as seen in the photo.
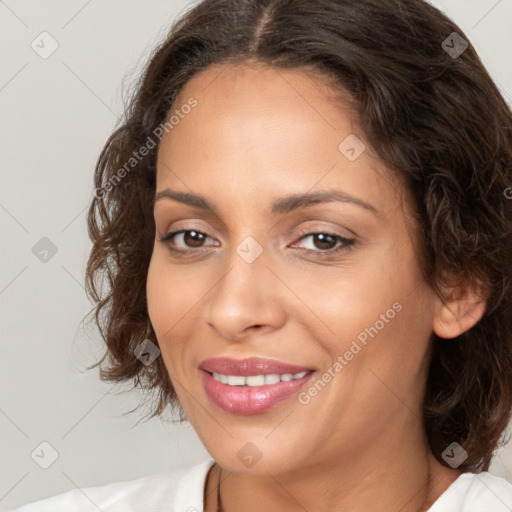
(250, 366)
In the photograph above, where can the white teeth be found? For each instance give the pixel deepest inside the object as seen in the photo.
(236, 380)
(272, 378)
(256, 380)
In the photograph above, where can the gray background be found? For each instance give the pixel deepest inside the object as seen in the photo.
(55, 115)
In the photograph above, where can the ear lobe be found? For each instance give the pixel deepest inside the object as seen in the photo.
(463, 307)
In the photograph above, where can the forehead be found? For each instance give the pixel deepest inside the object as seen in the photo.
(257, 130)
(253, 87)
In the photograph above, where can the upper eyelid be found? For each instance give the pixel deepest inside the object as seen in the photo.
(222, 228)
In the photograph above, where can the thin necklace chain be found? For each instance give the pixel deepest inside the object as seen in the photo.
(219, 501)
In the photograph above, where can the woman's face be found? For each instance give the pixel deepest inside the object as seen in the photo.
(330, 286)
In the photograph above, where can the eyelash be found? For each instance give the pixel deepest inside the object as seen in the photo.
(346, 242)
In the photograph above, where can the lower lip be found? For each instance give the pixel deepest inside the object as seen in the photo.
(248, 400)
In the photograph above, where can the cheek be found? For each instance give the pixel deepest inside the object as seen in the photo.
(170, 293)
(383, 303)
(163, 310)
(174, 300)
(356, 296)
(156, 295)
(164, 305)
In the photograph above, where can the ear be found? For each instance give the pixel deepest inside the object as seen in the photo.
(462, 308)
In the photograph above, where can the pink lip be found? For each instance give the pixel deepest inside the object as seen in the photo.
(247, 400)
(249, 366)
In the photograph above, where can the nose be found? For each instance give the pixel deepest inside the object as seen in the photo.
(245, 300)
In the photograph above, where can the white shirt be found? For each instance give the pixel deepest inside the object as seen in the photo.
(182, 491)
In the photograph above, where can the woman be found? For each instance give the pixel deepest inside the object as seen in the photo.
(306, 229)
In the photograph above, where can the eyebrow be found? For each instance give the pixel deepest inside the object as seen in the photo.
(283, 205)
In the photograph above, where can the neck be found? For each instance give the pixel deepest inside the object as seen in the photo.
(398, 476)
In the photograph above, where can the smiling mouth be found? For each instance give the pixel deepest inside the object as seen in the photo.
(252, 394)
(252, 385)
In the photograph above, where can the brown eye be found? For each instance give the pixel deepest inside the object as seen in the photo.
(185, 239)
(324, 241)
(321, 242)
(193, 238)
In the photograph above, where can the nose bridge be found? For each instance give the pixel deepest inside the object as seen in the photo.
(242, 296)
(246, 272)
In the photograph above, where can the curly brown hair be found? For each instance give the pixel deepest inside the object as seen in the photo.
(435, 118)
